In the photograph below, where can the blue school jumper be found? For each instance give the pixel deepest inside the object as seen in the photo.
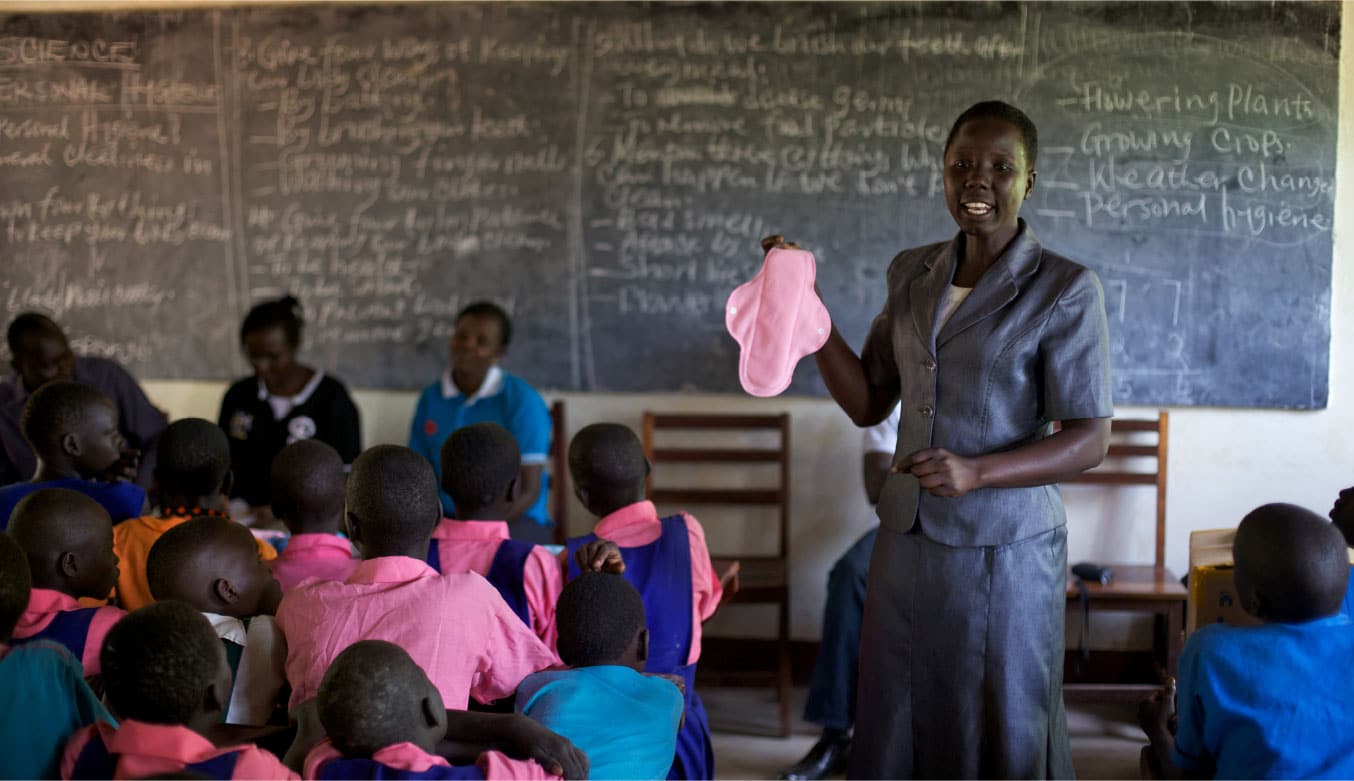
(661, 572)
(96, 761)
(344, 768)
(69, 628)
(507, 573)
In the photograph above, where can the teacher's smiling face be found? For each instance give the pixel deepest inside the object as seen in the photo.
(987, 177)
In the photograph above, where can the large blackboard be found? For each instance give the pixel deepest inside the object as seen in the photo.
(606, 170)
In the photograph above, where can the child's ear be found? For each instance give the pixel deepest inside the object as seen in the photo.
(225, 591)
(642, 645)
(647, 467)
(581, 492)
(69, 564)
(212, 700)
(514, 489)
(228, 482)
(433, 713)
(70, 444)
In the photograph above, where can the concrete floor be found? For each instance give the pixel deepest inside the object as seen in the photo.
(1105, 740)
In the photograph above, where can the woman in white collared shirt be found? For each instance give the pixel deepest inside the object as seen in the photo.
(476, 390)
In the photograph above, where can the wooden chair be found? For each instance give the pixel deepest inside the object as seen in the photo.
(1136, 588)
(559, 472)
(760, 579)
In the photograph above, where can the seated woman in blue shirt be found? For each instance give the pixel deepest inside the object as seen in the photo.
(475, 389)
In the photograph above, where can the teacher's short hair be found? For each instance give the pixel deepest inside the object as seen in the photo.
(999, 109)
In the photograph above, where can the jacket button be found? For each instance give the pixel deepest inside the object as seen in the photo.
(927, 411)
(930, 364)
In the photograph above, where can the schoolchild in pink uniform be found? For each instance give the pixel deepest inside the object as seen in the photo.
(385, 719)
(667, 561)
(480, 468)
(68, 539)
(456, 626)
(166, 677)
(307, 482)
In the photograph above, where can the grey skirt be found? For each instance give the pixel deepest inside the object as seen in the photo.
(961, 661)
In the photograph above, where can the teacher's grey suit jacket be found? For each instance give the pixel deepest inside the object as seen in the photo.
(1029, 346)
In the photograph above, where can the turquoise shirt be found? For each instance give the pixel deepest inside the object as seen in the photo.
(43, 701)
(625, 721)
(504, 399)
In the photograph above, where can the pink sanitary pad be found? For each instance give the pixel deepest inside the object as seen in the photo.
(776, 319)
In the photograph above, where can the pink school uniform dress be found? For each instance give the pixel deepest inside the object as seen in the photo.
(58, 617)
(407, 761)
(456, 627)
(530, 582)
(324, 556)
(137, 750)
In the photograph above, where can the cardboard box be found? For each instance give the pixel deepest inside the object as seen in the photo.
(1212, 594)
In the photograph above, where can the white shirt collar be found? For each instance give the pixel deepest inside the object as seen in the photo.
(492, 386)
(227, 627)
(299, 398)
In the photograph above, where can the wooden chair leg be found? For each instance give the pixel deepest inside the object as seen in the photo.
(784, 672)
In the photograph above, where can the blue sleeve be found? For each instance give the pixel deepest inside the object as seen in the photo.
(128, 499)
(1190, 751)
(530, 424)
(418, 438)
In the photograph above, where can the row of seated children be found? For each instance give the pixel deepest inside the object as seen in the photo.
(214, 566)
(1273, 700)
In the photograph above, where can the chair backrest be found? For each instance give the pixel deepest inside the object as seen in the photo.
(668, 494)
(1132, 441)
(559, 472)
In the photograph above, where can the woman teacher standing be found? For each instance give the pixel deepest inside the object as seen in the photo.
(988, 339)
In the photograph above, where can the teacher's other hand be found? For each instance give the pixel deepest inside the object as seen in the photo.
(941, 472)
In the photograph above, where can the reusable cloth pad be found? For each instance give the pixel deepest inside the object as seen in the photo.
(776, 318)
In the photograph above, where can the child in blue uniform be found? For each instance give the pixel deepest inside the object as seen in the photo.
(666, 559)
(1268, 701)
(69, 543)
(385, 719)
(475, 389)
(625, 721)
(43, 696)
(73, 429)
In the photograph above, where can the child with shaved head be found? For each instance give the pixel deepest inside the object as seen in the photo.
(192, 470)
(481, 464)
(168, 681)
(667, 561)
(73, 429)
(308, 478)
(625, 721)
(213, 564)
(68, 540)
(43, 695)
(1268, 701)
(385, 720)
(455, 626)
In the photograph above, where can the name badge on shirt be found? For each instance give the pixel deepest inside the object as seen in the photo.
(240, 424)
(299, 428)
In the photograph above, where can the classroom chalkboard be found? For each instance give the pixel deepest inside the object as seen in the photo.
(605, 172)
